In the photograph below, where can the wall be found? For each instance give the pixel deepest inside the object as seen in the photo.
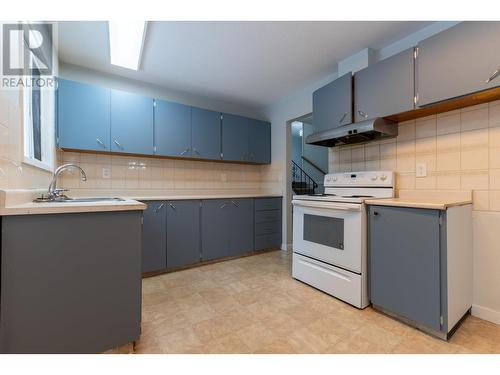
(461, 149)
(136, 176)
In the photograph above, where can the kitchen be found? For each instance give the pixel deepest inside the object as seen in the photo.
(175, 192)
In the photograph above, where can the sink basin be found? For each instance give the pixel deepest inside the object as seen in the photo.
(99, 199)
(80, 200)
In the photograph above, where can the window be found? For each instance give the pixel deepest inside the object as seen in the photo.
(39, 121)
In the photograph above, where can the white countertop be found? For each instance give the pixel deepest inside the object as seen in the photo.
(129, 204)
(32, 208)
(435, 204)
(202, 196)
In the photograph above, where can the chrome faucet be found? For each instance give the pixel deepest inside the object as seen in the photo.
(55, 193)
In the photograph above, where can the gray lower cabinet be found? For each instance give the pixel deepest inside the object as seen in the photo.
(405, 263)
(267, 219)
(70, 283)
(332, 104)
(385, 88)
(154, 238)
(214, 231)
(183, 233)
(227, 227)
(411, 275)
(240, 224)
(458, 61)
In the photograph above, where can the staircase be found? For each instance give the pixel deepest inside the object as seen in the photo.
(302, 183)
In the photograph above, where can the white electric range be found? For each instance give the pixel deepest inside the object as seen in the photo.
(330, 234)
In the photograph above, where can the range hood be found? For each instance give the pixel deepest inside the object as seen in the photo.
(362, 131)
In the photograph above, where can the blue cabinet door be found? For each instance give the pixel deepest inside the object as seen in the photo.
(83, 116)
(131, 123)
(205, 134)
(234, 138)
(214, 228)
(259, 141)
(154, 237)
(172, 129)
(183, 233)
(241, 226)
(405, 262)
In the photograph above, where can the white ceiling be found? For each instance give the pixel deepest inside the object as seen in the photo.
(249, 63)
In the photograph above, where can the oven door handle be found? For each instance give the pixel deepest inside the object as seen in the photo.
(328, 205)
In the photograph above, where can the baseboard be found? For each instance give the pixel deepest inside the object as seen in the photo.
(286, 246)
(486, 314)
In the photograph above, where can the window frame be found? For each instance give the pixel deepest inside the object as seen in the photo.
(47, 124)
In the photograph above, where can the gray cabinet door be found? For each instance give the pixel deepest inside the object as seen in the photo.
(205, 136)
(214, 228)
(234, 137)
(405, 262)
(259, 141)
(385, 88)
(154, 237)
(183, 233)
(458, 61)
(241, 226)
(70, 291)
(172, 129)
(332, 104)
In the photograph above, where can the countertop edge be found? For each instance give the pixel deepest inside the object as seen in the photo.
(416, 204)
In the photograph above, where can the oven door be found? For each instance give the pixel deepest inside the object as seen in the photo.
(330, 232)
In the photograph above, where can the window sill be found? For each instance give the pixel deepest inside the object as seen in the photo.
(38, 164)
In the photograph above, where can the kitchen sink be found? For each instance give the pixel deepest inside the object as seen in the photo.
(79, 200)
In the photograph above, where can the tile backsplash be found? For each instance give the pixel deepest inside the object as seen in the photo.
(460, 148)
(129, 175)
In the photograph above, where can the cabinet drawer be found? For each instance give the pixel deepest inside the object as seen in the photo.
(267, 216)
(272, 227)
(267, 240)
(267, 204)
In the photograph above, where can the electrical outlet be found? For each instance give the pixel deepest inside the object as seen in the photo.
(421, 170)
(106, 173)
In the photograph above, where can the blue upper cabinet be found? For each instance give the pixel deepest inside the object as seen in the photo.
(172, 129)
(205, 135)
(259, 141)
(83, 118)
(234, 138)
(131, 123)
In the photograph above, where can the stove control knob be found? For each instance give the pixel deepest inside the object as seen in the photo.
(335, 179)
(374, 178)
(383, 177)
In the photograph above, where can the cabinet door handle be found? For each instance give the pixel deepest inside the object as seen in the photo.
(342, 118)
(234, 203)
(363, 114)
(100, 142)
(375, 213)
(172, 206)
(495, 74)
(157, 209)
(185, 151)
(118, 144)
(223, 205)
